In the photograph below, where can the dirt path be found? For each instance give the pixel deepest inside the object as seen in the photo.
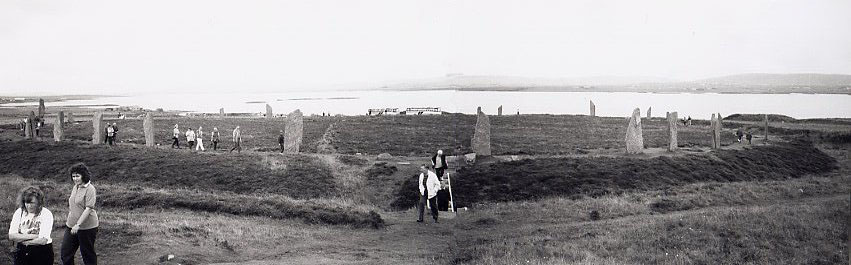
(403, 241)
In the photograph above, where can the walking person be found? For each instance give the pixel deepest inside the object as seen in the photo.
(82, 222)
(115, 132)
(190, 138)
(30, 229)
(748, 136)
(281, 141)
(739, 135)
(175, 137)
(438, 161)
(110, 133)
(214, 138)
(199, 136)
(429, 185)
(237, 138)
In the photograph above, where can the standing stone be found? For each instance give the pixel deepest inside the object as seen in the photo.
(499, 111)
(712, 131)
(293, 132)
(61, 118)
(634, 136)
(649, 115)
(29, 127)
(221, 113)
(481, 143)
(98, 127)
(593, 109)
(41, 108)
(70, 117)
(268, 111)
(765, 129)
(672, 131)
(478, 109)
(58, 132)
(148, 126)
(717, 130)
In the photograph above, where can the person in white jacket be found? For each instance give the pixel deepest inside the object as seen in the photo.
(199, 137)
(429, 185)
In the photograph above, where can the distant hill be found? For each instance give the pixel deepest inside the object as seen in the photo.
(780, 80)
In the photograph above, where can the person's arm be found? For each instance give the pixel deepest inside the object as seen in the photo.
(13, 229)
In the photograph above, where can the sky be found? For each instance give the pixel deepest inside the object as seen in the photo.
(200, 46)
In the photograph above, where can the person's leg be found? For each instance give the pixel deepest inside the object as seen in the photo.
(282, 148)
(433, 202)
(41, 255)
(87, 245)
(421, 208)
(20, 257)
(70, 243)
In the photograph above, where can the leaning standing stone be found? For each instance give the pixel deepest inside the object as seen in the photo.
(672, 131)
(481, 143)
(268, 111)
(634, 136)
(293, 133)
(148, 126)
(58, 131)
(98, 127)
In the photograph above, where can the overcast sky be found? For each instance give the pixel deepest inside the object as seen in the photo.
(121, 47)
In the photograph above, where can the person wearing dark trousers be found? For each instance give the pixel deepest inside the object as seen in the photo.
(281, 141)
(30, 229)
(82, 221)
(429, 185)
(175, 136)
(214, 138)
(438, 161)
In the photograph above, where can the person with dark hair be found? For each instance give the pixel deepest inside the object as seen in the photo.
(175, 136)
(429, 185)
(438, 161)
(739, 134)
(281, 141)
(30, 229)
(748, 136)
(110, 134)
(190, 138)
(82, 221)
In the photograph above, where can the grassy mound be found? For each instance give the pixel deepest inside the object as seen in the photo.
(760, 117)
(577, 177)
(297, 176)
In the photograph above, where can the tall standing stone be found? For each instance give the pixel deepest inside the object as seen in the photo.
(649, 114)
(294, 131)
(61, 117)
(221, 113)
(58, 131)
(499, 111)
(268, 111)
(593, 109)
(765, 128)
(717, 131)
(70, 117)
(481, 143)
(29, 127)
(672, 131)
(98, 127)
(41, 108)
(148, 126)
(634, 135)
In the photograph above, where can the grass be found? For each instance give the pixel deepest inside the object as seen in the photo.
(799, 221)
(531, 179)
(298, 176)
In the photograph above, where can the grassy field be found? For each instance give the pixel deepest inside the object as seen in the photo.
(560, 202)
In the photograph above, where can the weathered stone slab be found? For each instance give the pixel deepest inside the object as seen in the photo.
(70, 117)
(717, 131)
(148, 126)
(293, 132)
(41, 108)
(499, 111)
(765, 129)
(58, 127)
(98, 126)
(593, 112)
(649, 112)
(268, 111)
(672, 131)
(634, 135)
(221, 113)
(481, 142)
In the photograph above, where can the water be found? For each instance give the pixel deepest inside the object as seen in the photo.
(618, 104)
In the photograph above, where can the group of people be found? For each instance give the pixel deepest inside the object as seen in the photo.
(746, 134)
(195, 139)
(110, 132)
(32, 223)
(37, 124)
(431, 186)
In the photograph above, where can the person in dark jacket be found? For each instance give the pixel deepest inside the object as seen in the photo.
(281, 141)
(438, 161)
